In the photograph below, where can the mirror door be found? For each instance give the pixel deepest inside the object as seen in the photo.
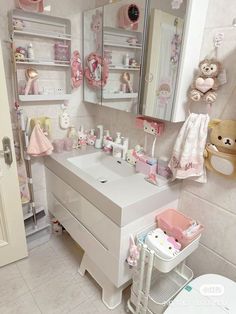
(163, 50)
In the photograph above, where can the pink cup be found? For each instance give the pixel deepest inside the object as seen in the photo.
(68, 144)
(58, 145)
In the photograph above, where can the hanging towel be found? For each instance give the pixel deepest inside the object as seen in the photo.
(187, 159)
(39, 144)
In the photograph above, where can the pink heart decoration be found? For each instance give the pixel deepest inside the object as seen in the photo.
(204, 85)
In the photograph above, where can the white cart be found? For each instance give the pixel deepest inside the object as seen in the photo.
(156, 280)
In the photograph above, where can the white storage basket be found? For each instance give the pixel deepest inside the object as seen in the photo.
(165, 265)
(164, 288)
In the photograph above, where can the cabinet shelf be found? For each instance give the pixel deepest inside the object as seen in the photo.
(50, 35)
(27, 98)
(52, 63)
(123, 68)
(107, 30)
(128, 46)
(119, 95)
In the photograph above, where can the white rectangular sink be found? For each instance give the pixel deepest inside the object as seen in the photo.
(103, 168)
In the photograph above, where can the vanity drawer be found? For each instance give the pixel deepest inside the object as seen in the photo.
(107, 232)
(89, 243)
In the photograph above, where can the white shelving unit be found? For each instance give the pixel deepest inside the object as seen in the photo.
(54, 81)
(33, 98)
(43, 31)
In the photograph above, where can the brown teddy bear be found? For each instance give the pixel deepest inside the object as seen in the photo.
(206, 84)
(220, 153)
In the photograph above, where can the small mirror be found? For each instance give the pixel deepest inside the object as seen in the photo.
(166, 20)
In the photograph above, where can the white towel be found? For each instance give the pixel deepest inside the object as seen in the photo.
(187, 160)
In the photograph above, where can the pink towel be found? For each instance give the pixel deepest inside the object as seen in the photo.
(39, 144)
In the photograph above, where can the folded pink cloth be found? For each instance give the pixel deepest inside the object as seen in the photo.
(39, 144)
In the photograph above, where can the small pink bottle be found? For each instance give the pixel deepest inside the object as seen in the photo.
(107, 148)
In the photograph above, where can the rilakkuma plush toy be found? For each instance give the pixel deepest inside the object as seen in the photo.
(220, 152)
(206, 84)
(223, 135)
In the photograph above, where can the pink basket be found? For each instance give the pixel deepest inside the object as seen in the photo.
(174, 223)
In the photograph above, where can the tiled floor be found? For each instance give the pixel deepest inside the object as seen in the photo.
(48, 282)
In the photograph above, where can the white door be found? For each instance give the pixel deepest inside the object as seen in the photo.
(12, 233)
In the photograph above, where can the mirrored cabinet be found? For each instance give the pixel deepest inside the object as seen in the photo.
(113, 54)
(140, 56)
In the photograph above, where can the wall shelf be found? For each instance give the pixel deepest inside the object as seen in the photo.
(123, 68)
(119, 95)
(44, 35)
(52, 63)
(127, 46)
(38, 28)
(27, 98)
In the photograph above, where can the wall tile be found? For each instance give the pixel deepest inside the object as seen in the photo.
(220, 232)
(205, 261)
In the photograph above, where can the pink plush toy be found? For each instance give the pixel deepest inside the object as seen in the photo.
(134, 253)
(76, 70)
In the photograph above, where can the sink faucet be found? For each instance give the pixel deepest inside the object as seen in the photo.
(124, 146)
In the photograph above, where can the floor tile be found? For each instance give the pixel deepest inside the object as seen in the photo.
(60, 295)
(42, 266)
(12, 285)
(22, 305)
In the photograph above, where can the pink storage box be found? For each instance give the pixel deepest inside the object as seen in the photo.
(174, 223)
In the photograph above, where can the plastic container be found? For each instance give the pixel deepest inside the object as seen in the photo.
(61, 52)
(58, 145)
(164, 287)
(165, 265)
(175, 224)
(68, 144)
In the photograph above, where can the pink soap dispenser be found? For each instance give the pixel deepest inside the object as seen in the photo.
(107, 147)
(91, 138)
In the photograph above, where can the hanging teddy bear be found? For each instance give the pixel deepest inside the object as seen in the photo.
(207, 83)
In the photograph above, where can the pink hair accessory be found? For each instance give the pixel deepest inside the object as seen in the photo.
(128, 16)
(31, 5)
(97, 71)
(76, 70)
(134, 253)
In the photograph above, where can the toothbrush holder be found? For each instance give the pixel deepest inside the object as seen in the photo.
(145, 168)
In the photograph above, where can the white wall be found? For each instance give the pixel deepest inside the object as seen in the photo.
(81, 114)
(213, 203)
